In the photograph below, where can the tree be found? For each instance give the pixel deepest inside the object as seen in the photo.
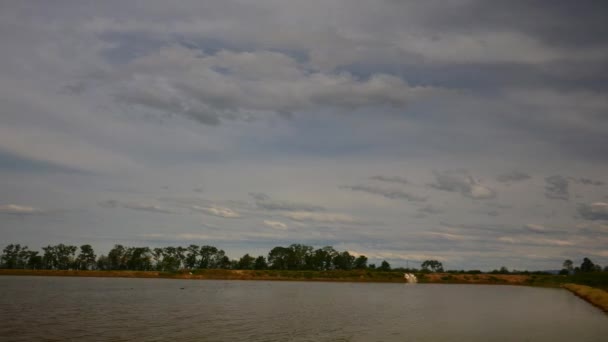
(587, 265)
(384, 266)
(103, 263)
(116, 258)
(344, 261)
(86, 258)
(361, 262)
(432, 265)
(207, 254)
(278, 258)
(191, 261)
(246, 262)
(568, 265)
(14, 256)
(260, 263)
(322, 258)
(59, 257)
(138, 258)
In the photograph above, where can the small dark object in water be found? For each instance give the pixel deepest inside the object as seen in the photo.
(181, 288)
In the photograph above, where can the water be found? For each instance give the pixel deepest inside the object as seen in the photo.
(112, 309)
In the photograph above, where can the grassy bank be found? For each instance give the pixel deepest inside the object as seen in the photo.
(347, 276)
(597, 280)
(595, 296)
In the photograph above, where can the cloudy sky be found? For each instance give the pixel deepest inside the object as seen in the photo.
(472, 132)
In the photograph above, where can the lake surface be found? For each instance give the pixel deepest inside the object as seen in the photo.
(113, 309)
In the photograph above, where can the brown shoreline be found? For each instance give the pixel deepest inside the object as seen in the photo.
(594, 296)
(340, 276)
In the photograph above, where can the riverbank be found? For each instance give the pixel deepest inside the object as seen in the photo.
(281, 275)
(597, 297)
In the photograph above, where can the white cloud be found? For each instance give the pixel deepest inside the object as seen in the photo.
(18, 209)
(275, 225)
(463, 183)
(322, 217)
(537, 228)
(217, 211)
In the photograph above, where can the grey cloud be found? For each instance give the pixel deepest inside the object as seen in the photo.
(263, 201)
(513, 176)
(594, 211)
(430, 209)
(426, 211)
(587, 181)
(388, 193)
(135, 206)
(556, 187)
(390, 179)
(462, 183)
(242, 85)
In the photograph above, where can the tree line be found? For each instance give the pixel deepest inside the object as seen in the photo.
(171, 259)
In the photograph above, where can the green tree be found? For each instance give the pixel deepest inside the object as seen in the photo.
(14, 256)
(361, 262)
(384, 266)
(344, 261)
(432, 265)
(117, 258)
(59, 257)
(207, 254)
(568, 265)
(322, 258)
(278, 258)
(138, 258)
(260, 263)
(103, 263)
(192, 254)
(86, 258)
(587, 265)
(246, 262)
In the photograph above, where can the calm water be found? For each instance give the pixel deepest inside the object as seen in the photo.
(111, 309)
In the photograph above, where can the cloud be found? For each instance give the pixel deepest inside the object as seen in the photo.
(513, 176)
(384, 192)
(275, 225)
(322, 217)
(263, 201)
(217, 211)
(231, 85)
(536, 228)
(14, 209)
(136, 206)
(461, 182)
(594, 211)
(390, 179)
(556, 187)
(587, 181)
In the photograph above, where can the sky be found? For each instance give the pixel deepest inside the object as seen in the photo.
(472, 132)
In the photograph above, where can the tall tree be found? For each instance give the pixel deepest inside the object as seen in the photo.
(384, 266)
(568, 265)
(192, 253)
(86, 258)
(361, 262)
(246, 262)
(432, 265)
(587, 265)
(14, 256)
(260, 263)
